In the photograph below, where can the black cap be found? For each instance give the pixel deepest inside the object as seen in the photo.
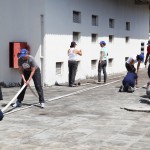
(73, 44)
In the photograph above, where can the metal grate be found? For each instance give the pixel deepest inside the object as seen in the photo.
(94, 20)
(111, 23)
(76, 17)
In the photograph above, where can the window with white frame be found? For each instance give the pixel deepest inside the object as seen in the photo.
(128, 26)
(76, 36)
(76, 17)
(111, 23)
(94, 37)
(93, 64)
(59, 68)
(94, 20)
(126, 58)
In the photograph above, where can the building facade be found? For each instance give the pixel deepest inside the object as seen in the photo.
(49, 26)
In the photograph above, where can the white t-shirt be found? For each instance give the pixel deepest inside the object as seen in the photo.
(72, 55)
(132, 58)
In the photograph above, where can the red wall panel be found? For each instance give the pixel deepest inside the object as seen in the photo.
(14, 49)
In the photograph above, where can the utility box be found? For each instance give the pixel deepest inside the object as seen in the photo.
(14, 49)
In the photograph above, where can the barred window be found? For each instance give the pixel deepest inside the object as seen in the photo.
(76, 17)
(128, 26)
(111, 23)
(94, 37)
(59, 68)
(76, 36)
(94, 20)
(111, 38)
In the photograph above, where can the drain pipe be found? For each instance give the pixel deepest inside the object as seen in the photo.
(42, 57)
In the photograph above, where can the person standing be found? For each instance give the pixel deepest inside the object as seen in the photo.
(102, 61)
(147, 58)
(29, 69)
(73, 63)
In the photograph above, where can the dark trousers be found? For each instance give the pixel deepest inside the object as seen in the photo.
(149, 70)
(37, 82)
(1, 95)
(130, 68)
(126, 84)
(72, 65)
(102, 66)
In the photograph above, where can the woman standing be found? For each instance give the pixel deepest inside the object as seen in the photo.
(73, 63)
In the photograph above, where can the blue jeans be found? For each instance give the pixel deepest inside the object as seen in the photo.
(101, 67)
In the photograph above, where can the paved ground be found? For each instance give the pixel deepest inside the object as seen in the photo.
(88, 117)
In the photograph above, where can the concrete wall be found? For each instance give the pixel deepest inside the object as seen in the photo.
(20, 21)
(59, 27)
(50, 40)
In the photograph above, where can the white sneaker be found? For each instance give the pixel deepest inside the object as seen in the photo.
(17, 104)
(42, 105)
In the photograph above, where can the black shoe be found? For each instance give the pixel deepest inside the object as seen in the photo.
(72, 85)
(121, 88)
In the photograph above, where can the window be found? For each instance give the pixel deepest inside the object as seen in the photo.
(128, 26)
(110, 62)
(94, 20)
(127, 39)
(76, 17)
(94, 37)
(126, 58)
(59, 68)
(93, 64)
(76, 36)
(111, 38)
(142, 47)
(111, 23)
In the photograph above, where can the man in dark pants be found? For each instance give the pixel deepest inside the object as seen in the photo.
(102, 62)
(147, 59)
(29, 70)
(73, 63)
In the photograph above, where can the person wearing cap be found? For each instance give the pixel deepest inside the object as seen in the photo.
(102, 61)
(73, 54)
(132, 60)
(29, 69)
(147, 58)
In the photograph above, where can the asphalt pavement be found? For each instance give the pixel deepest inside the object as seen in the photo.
(88, 117)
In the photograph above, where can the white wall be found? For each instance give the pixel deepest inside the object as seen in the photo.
(21, 21)
(59, 27)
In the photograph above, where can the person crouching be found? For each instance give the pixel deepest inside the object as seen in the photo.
(129, 82)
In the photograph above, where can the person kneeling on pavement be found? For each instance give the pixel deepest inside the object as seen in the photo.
(29, 69)
(128, 83)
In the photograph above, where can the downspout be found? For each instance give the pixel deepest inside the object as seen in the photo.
(42, 57)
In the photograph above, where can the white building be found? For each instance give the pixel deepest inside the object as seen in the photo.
(49, 26)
